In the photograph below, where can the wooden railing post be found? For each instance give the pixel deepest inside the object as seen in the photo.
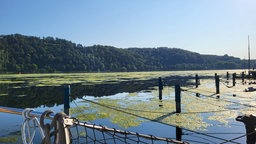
(217, 84)
(160, 87)
(178, 98)
(243, 77)
(67, 92)
(234, 79)
(197, 81)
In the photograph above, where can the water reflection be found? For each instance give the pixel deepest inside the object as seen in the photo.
(20, 95)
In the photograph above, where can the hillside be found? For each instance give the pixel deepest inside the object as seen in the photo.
(19, 53)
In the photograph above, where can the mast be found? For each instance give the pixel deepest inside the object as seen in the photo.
(249, 59)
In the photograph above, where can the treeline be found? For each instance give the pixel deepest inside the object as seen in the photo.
(28, 54)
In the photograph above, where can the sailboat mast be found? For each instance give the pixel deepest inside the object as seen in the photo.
(249, 59)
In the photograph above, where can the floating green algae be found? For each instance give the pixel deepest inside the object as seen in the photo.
(223, 116)
(97, 112)
(4, 94)
(198, 111)
(57, 79)
(9, 140)
(127, 112)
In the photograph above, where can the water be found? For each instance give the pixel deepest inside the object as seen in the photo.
(204, 119)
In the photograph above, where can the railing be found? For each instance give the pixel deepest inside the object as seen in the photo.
(65, 130)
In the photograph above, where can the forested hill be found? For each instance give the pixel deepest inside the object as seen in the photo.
(19, 53)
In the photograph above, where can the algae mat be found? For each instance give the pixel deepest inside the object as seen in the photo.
(201, 107)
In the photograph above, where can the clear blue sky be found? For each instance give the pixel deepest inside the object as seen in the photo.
(204, 26)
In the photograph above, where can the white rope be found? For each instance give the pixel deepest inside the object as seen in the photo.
(59, 127)
(27, 130)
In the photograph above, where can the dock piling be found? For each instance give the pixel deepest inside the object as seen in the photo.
(67, 92)
(197, 81)
(227, 76)
(243, 77)
(234, 79)
(177, 98)
(160, 87)
(178, 133)
(217, 83)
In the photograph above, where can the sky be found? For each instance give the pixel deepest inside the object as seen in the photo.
(216, 27)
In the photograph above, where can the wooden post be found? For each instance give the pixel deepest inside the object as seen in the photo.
(243, 77)
(197, 81)
(67, 92)
(177, 98)
(227, 75)
(160, 87)
(234, 79)
(178, 133)
(217, 84)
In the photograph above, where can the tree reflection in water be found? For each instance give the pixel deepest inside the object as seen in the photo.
(20, 95)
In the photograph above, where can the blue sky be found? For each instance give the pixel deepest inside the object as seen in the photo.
(204, 26)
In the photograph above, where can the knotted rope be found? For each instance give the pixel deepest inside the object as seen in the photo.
(58, 128)
(60, 131)
(27, 130)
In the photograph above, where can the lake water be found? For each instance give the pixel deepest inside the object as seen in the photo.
(204, 118)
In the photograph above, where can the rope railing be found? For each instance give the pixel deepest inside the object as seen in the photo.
(62, 129)
(103, 134)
